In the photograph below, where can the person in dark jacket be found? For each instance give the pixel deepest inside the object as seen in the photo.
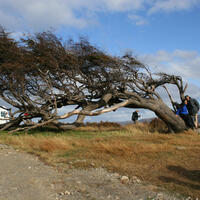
(193, 108)
(135, 116)
(184, 114)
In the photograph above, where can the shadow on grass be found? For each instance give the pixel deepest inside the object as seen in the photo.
(190, 175)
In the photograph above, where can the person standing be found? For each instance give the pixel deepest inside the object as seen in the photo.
(135, 116)
(183, 112)
(193, 108)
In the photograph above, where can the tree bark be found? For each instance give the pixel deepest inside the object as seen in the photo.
(174, 123)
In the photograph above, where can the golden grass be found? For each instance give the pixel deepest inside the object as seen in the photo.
(168, 160)
(38, 143)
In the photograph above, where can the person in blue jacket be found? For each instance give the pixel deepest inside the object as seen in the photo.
(184, 114)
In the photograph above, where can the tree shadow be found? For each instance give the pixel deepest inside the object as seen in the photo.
(191, 175)
(178, 182)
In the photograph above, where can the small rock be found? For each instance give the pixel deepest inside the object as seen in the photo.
(135, 179)
(188, 198)
(180, 148)
(116, 175)
(92, 164)
(67, 193)
(82, 190)
(124, 179)
(52, 186)
(159, 196)
(78, 182)
(151, 187)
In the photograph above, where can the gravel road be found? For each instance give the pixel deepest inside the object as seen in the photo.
(25, 177)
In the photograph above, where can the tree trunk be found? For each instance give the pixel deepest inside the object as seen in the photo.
(80, 118)
(175, 123)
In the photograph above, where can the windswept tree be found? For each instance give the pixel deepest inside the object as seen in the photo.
(40, 74)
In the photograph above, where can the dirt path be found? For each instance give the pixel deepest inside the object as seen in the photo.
(24, 177)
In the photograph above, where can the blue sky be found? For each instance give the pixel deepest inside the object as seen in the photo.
(167, 31)
(164, 34)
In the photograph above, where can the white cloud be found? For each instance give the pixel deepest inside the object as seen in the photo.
(123, 5)
(138, 19)
(179, 62)
(172, 5)
(38, 15)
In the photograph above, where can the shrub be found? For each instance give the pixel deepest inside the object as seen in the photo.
(157, 125)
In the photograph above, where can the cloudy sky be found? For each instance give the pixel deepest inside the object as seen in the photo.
(164, 34)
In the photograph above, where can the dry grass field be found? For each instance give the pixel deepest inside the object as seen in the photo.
(171, 161)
